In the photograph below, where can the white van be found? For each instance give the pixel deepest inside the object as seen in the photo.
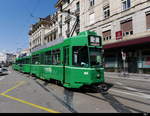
(1, 70)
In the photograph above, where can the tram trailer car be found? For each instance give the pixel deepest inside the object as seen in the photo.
(76, 62)
(23, 64)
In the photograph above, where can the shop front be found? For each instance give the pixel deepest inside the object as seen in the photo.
(137, 56)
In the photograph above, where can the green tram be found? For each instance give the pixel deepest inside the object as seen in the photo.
(76, 62)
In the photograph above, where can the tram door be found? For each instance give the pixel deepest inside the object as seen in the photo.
(65, 63)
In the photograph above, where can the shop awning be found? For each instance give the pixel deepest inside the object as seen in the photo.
(128, 43)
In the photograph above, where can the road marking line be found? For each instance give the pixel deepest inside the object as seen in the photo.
(19, 84)
(141, 95)
(25, 102)
(147, 80)
(119, 83)
(2, 78)
(129, 88)
(31, 104)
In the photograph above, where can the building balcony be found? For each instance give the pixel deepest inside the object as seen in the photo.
(67, 18)
(78, 27)
(60, 23)
(68, 32)
(60, 34)
(77, 12)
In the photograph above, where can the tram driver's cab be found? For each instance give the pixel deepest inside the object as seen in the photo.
(89, 56)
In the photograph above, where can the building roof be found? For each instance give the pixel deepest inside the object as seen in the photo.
(59, 2)
(50, 19)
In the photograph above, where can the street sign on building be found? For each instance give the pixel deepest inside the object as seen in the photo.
(119, 35)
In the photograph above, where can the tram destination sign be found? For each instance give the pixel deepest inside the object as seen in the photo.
(94, 41)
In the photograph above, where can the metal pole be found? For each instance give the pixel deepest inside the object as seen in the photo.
(124, 74)
(124, 62)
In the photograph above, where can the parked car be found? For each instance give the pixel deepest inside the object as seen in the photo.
(3, 70)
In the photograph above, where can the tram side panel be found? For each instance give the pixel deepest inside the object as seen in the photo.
(77, 77)
(26, 68)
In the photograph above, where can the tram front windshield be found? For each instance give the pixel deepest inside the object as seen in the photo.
(95, 57)
(86, 57)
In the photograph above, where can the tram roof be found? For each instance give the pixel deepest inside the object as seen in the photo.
(80, 40)
(20, 58)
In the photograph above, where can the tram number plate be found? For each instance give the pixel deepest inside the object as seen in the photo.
(86, 73)
(48, 70)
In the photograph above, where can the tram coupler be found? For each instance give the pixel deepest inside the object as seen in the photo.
(101, 87)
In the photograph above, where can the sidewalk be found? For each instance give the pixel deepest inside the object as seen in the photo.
(130, 76)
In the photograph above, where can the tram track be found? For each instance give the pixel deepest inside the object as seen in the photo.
(49, 90)
(107, 97)
(133, 89)
(111, 98)
(117, 105)
(67, 105)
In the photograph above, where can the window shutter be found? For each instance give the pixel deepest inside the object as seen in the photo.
(127, 26)
(107, 33)
(148, 21)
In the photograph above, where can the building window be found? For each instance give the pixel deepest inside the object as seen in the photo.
(126, 4)
(106, 11)
(68, 11)
(107, 35)
(92, 3)
(78, 6)
(148, 21)
(92, 18)
(127, 27)
(68, 1)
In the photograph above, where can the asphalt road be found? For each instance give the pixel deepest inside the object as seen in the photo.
(21, 93)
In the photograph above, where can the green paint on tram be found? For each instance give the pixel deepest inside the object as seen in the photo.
(75, 62)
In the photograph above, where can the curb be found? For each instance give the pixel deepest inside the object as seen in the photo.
(128, 78)
(130, 74)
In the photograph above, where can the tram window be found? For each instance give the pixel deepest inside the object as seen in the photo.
(48, 58)
(35, 59)
(27, 61)
(80, 56)
(66, 56)
(42, 58)
(56, 57)
(17, 62)
(24, 61)
(95, 57)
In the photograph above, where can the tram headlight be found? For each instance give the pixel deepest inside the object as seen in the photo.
(98, 75)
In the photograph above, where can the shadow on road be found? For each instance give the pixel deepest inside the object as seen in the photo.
(89, 89)
(3, 74)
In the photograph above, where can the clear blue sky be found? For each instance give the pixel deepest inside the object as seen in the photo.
(15, 20)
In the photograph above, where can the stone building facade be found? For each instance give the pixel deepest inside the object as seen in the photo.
(125, 28)
(68, 17)
(43, 32)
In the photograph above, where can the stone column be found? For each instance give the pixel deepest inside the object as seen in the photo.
(140, 63)
(116, 67)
